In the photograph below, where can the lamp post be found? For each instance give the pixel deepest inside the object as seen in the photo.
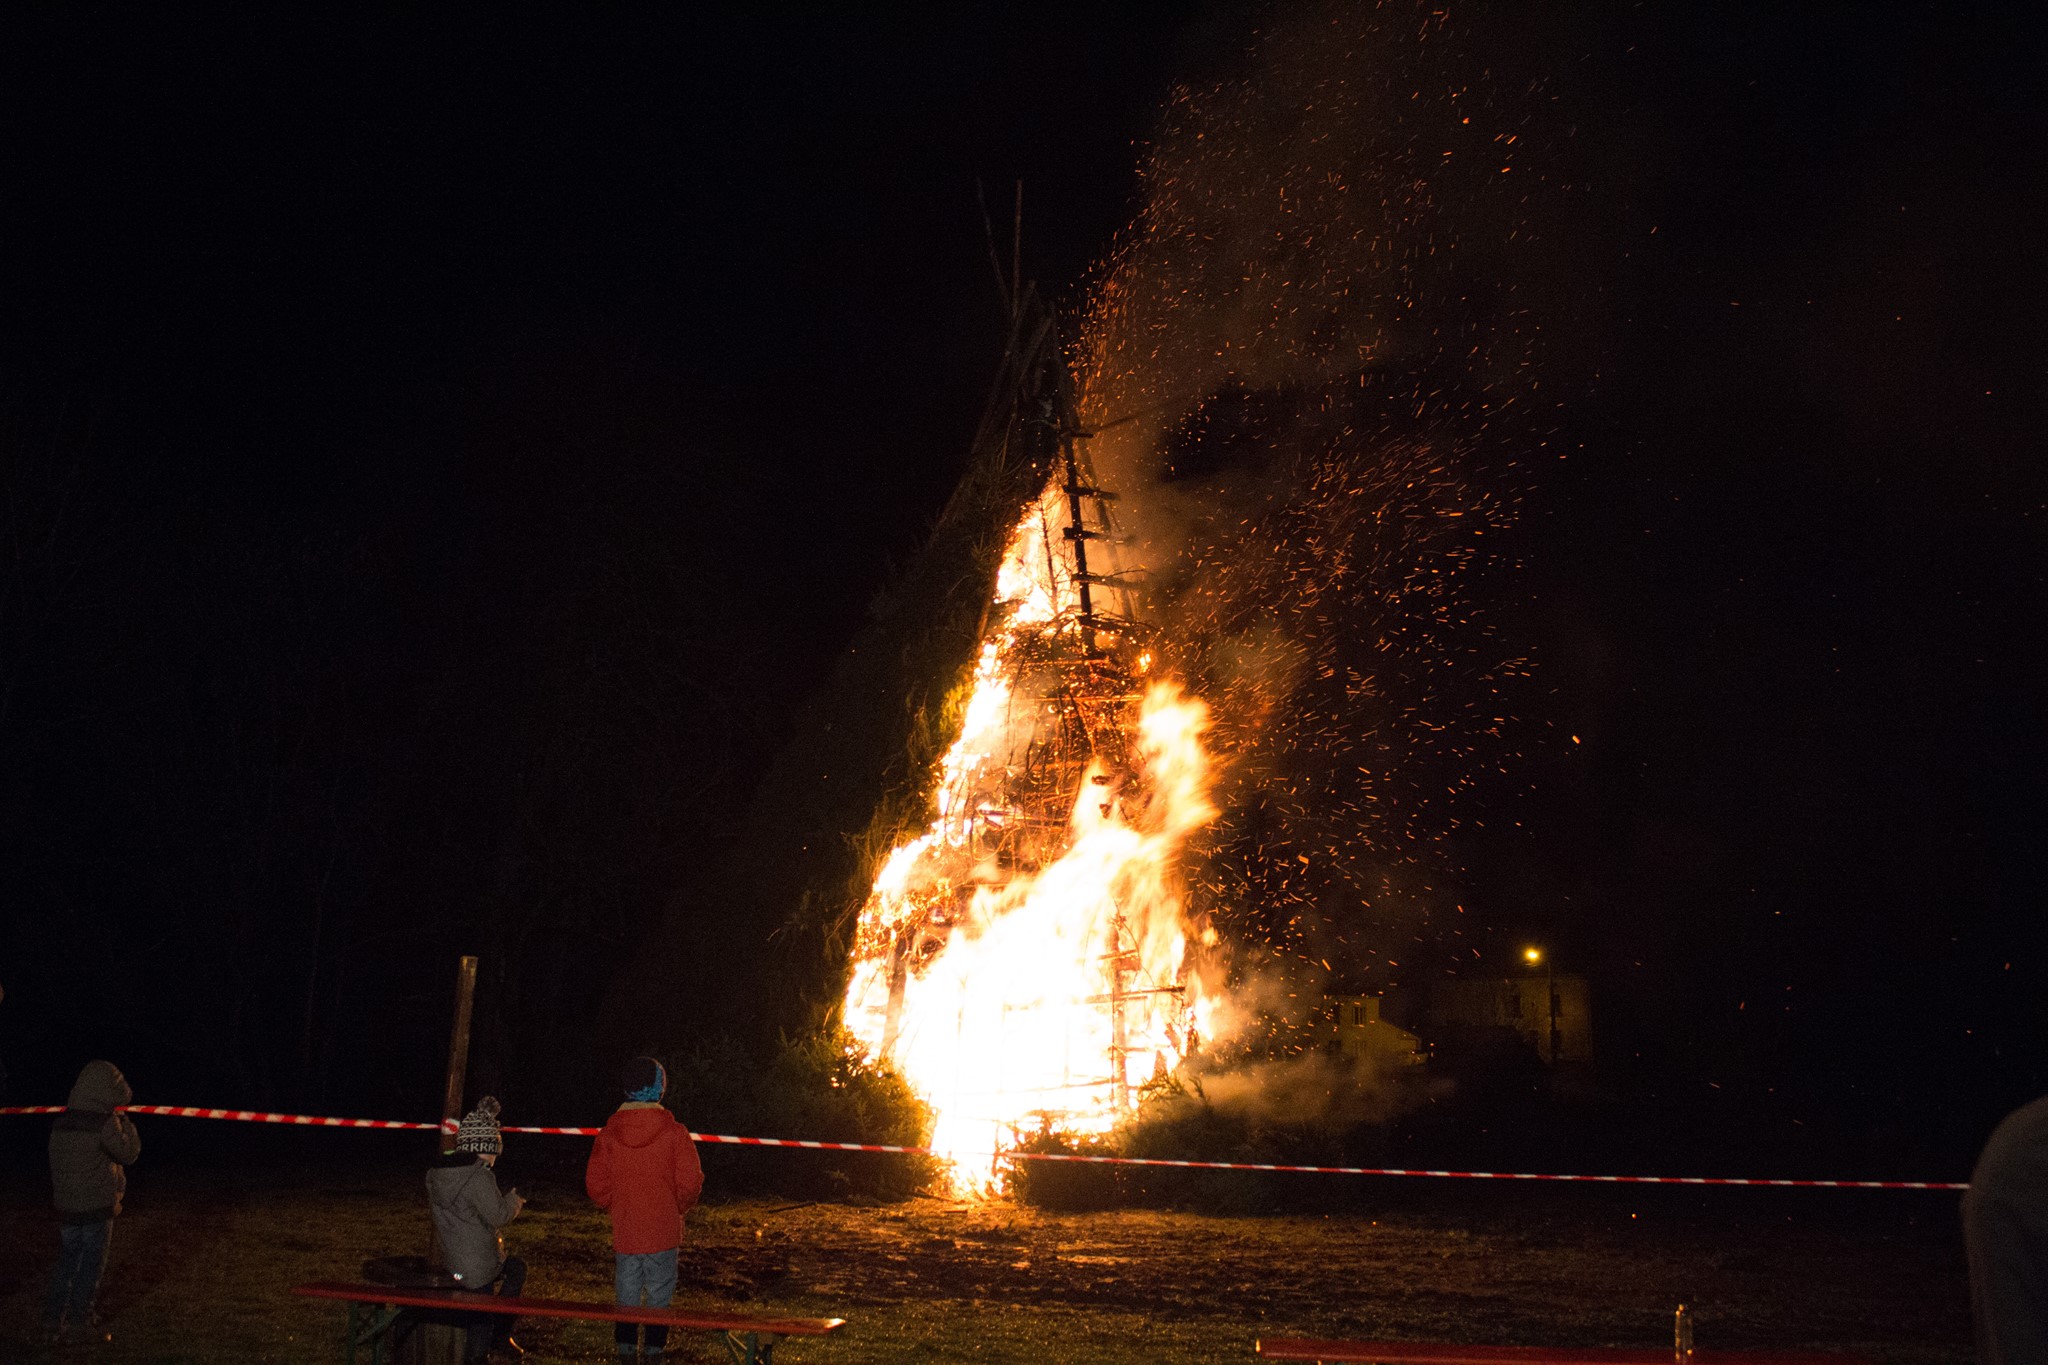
(1532, 956)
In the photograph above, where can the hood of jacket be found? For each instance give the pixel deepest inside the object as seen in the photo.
(100, 1087)
(638, 1123)
(447, 1176)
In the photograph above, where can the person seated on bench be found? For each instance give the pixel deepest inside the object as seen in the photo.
(462, 1191)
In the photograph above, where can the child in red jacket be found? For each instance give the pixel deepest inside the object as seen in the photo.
(644, 1173)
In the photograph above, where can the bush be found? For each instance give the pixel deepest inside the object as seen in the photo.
(1065, 1186)
(820, 1088)
(1179, 1123)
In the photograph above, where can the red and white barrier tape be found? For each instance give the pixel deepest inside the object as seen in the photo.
(315, 1121)
(1507, 1175)
(179, 1111)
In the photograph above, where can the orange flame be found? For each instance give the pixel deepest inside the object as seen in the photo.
(1021, 976)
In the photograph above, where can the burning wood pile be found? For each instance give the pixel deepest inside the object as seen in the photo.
(1024, 960)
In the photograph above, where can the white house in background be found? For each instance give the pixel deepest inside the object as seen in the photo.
(1360, 1032)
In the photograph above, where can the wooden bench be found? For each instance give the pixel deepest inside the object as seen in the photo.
(1420, 1353)
(373, 1309)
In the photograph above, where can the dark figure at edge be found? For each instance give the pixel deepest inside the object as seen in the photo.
(90, 1144)
(2005, 1233)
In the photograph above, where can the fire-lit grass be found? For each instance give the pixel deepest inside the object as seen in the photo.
(203, 1263)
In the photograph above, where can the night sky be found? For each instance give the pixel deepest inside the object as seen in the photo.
(440, 460)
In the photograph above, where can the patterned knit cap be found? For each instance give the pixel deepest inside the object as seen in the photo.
(479, 1131)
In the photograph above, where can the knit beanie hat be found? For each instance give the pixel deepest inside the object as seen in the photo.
(479, 1131)
(644, 1081)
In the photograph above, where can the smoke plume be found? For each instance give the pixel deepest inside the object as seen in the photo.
(1305, 364)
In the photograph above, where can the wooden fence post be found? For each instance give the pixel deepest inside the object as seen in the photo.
(451, 1094)
(458, 1053)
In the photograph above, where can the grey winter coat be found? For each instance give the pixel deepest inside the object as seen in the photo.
(468, 1211)
(90, 1143)
(2005, 1233)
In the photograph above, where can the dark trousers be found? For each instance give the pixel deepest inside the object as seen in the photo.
(75, 1282)
(494, 1329)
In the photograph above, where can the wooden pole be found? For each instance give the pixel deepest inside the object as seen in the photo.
(458, 1052)
(1017, 249)
(988, 229)
(451, 1094)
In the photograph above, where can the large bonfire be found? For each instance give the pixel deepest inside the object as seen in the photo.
(1294, 363)
(1024, 960)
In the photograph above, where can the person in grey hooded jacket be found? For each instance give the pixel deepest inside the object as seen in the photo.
(462, 1191)
(90, 1143)
(2005, 1234)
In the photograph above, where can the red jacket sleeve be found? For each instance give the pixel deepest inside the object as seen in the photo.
(689, 1171)
(597, 1176)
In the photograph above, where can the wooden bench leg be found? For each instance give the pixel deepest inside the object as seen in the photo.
(368, 1325)
(750, 1348)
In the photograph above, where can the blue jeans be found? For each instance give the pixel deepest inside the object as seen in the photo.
(644, 1280)
(76, 1280)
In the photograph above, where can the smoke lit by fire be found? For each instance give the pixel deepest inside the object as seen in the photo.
(1312, 407)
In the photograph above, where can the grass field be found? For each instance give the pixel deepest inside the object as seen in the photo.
(203, 1261)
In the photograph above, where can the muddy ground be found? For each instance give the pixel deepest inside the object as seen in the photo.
(204, 1262)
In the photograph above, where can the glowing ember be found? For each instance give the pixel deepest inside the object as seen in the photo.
(1024, 960)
